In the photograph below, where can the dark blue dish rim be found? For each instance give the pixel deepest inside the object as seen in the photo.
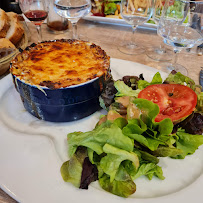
(63, 96)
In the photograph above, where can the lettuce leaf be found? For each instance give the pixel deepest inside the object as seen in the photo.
(149, 111)
(89, 173)
(145, 130)
(86, 139)
(71, 170)
(149, 169)
(107, 132)
(78, 170)
(167, 151)
(111, 162)
(155, 80)
(124, 187)
(199, 106)
(156, 171)
(187, 143)
(124, 90)
(147, 157)
(181, 79)
(147, 141)
(137, 126)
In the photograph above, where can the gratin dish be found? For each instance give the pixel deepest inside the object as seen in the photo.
(52, 101)
(60, 105)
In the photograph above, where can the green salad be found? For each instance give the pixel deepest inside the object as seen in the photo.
(127, 142)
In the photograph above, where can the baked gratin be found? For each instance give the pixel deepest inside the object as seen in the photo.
(60, 63)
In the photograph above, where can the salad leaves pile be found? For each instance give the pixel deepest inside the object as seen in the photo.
(121, 149)
(105, 7)
(110, 6)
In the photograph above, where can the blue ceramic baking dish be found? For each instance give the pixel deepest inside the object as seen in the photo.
(66, 102)
(61, 105)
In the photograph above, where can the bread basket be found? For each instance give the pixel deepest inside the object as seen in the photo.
(5, 61)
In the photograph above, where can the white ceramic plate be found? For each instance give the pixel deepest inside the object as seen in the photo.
(116, 21)
(32, 152)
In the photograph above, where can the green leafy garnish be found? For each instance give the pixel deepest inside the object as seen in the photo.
(155, 80)
(124, 90)
(124, 148)
(187, 143)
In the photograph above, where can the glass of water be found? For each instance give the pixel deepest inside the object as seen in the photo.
(135, 12)
(160, 52)
(73, 10)
(181, 27)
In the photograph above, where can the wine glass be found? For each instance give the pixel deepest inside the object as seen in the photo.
(36, 11)
(135, 12)
(159, 53)
(73, 10)
(181, 27)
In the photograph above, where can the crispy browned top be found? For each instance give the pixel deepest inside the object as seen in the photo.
(60, 63)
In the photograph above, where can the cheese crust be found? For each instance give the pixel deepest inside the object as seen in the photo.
(61, 63)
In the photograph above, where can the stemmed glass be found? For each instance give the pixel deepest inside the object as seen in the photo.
(73, 10)
(181, 27)
(36, 11)
(135, 12)
(159, 53)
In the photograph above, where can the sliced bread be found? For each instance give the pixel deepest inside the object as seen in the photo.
(6, 47)
(4, 23)
(16, 30)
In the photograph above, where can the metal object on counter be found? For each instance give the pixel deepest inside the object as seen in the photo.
(200, 50)
(201, 77)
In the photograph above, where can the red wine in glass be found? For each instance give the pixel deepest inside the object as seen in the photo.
(36, 16)
(36, 11)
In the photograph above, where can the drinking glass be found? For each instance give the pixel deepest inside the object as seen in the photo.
(36, 11)
(135, 12)
(159, 53)
(56, 23)
(181, 27)
(73, 10)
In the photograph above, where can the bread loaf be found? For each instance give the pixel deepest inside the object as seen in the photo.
(6, 47)
(4, 23)
(16, 31)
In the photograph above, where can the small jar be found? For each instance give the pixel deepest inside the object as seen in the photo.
(56, 23)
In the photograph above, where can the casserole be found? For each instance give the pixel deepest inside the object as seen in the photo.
(61, 80)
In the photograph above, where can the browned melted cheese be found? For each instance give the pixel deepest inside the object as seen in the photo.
(61, 63)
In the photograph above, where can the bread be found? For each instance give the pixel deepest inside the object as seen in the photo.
(6, 47)
(61, 63)
(4, 23)
(16, 30)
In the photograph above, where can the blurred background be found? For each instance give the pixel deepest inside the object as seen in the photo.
(10, 5)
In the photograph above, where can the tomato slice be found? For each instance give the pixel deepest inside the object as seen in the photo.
(174, 101)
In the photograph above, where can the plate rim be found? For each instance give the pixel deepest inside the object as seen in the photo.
(117, 21)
